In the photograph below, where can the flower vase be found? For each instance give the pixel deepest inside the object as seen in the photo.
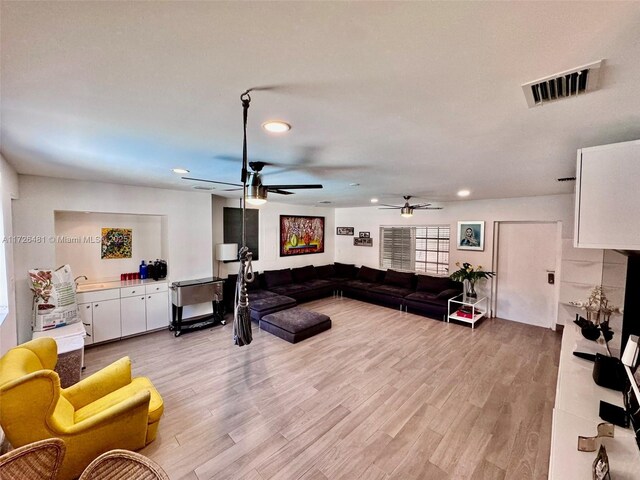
(469, 289)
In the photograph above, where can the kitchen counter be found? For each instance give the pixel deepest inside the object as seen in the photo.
(106, 285)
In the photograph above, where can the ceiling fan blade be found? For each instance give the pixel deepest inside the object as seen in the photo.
(390, 208)
(292, 187)
(232, 189)
(277, 190)
(211, 181)
(387, 205)
(420, 205)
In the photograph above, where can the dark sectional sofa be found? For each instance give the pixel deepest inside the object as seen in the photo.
(275, 290)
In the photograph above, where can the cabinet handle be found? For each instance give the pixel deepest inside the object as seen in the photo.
(149, 296)
(88, 306)
(133, 291)
(87, 324)
(96, 305)
(141, 298)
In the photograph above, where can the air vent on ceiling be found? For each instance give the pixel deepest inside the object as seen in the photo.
(198, 187)
(563, 85)
(324, 202)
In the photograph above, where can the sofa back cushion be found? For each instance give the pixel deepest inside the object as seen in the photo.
(399, 279)
(276, 278)
(427, 283)
(344, 270)
(370, 275)
(325, 271)
(304, 274)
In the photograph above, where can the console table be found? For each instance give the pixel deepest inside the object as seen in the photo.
(576, 413)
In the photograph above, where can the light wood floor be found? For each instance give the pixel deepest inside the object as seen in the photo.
(382, 395)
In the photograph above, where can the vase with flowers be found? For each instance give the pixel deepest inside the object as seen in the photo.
(469, 275)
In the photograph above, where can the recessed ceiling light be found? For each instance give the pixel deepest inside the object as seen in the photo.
(180, 170)
(374, 200)
(276, 126)
(464, 193)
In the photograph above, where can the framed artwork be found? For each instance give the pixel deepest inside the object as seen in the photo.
(344, 230)
(363, 242)
(232, 228)
(301, 235)
(471, 235)
(116, 243)
(364, 234)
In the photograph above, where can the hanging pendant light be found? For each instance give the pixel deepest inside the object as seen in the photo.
(256, 193)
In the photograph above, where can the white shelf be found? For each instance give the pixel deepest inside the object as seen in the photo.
(576, 413)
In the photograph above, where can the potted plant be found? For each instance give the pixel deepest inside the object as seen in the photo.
(469, 275)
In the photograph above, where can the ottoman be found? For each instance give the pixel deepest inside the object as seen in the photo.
(267, 305)
(295, 324)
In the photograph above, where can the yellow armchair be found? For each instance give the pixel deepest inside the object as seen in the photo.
(105, 411)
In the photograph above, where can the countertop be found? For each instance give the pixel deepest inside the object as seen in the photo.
(107, 285)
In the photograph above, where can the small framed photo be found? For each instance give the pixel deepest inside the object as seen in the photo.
(344, 230)
(364, 234)
(471, 235)
(363, 242)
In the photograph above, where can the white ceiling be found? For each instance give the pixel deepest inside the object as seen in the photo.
(408, 98)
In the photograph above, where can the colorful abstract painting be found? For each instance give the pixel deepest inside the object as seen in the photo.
(301, 235)
(116, 243)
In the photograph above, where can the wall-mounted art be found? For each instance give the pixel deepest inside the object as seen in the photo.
(471, 235)
(344, 230)
(364, 234)
(116, 243)
(301, 235)
(363, 242)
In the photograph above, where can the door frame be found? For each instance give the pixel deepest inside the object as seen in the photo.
(557, 272)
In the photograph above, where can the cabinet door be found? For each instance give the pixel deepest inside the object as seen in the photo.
(157, 311)
(86, 317)
(106, 320)
(132, 315)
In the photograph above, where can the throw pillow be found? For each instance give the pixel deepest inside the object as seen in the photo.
(399, 279)
(370, 275)
(344, 270)
(276, 278)
(304, 274)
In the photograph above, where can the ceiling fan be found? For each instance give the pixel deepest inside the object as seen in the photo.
(256, 190)
(406, 210)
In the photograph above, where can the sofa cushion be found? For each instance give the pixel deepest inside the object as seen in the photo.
(399, 279)
(304, 274)
(275, 278)
(260, 294)
(290, 289)
(357, 285)
(425, 297)
(318, 283)
(344, 270)
(370, 275)
(392, 290)
(325, 271)
(449, 293)
(427, 283)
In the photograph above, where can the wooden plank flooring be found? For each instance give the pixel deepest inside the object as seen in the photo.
(382, 395)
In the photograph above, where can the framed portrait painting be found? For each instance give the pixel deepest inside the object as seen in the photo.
(471, 235)
(301, 235)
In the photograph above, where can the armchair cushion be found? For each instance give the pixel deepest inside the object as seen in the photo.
(96, 386)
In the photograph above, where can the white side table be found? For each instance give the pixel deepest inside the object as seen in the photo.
(467, 309)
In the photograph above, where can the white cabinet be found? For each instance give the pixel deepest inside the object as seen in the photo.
(157, 311)
(106, 320)
(133, 315)
(86, 317)
(103, 316)
(607, 197)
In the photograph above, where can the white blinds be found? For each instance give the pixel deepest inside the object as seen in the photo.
(422, 249)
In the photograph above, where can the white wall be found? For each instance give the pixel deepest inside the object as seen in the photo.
(269, 253)
(85, 258)
(9, 185)
(188, 226)
(543, 209)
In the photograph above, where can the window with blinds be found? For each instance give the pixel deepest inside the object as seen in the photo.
(421, 249)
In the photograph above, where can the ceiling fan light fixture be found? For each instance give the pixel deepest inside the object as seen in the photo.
(406, 212)
(276, 126)
(256, 195)
(180, 170)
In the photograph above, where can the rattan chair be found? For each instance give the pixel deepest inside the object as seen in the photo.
(36, 461)
(123, 464)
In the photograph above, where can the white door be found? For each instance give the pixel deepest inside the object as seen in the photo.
(527, 253)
